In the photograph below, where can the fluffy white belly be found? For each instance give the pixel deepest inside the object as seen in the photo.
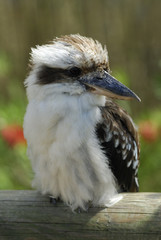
(64, 151)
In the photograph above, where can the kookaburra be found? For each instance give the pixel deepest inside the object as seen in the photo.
(83, 147)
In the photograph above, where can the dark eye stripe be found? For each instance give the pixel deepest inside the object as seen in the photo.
(48, 75)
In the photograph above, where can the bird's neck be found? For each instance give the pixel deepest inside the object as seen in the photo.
(79, 108)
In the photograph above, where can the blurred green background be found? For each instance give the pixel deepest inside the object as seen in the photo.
(132, 32)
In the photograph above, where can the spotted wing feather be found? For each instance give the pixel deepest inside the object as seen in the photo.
(119, 140)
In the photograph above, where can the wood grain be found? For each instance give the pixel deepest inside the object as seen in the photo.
(28, 215)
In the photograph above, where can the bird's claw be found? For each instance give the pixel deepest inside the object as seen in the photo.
(54, 200)
(81, 210)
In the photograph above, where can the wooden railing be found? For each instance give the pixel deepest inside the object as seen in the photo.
(27, 215)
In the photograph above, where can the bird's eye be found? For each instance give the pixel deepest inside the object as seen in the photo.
(75, 71)
(105, 69)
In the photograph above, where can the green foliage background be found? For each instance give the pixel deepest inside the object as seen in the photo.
(130, 29)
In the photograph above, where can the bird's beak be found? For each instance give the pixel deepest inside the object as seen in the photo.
(102, 83)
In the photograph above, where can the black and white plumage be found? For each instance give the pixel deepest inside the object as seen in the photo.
(83, 147)
(119, 141)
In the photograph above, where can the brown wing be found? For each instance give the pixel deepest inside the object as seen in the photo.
(119, 140)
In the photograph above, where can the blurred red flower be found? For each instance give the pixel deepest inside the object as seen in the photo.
(148, 131)
(13, 135)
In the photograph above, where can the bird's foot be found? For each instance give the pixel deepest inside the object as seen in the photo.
(54, 200)
(85, 209)
(81, 210)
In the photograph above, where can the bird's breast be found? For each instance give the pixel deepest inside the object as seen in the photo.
(65, 153)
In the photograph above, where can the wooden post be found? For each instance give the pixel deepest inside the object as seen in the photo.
(27, 215)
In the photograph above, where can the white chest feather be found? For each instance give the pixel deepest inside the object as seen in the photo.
(64, 151)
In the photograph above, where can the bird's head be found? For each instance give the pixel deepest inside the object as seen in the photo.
(74, 65)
